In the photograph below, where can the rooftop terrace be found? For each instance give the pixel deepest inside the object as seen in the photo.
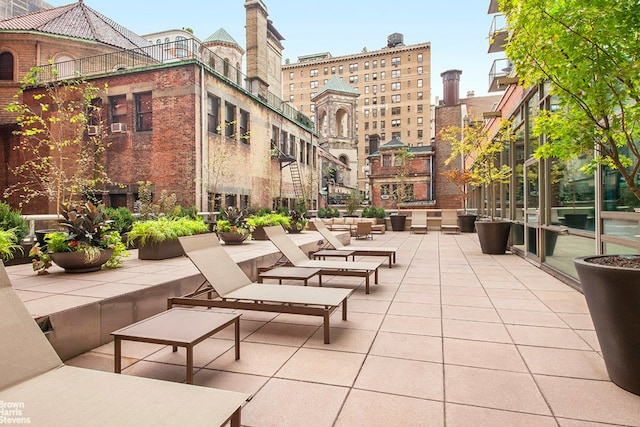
(449, 337)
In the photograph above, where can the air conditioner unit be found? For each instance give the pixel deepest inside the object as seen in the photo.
(118, 128)
(384, 196)
(93, 130)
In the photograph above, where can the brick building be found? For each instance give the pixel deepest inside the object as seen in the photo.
(178, 114)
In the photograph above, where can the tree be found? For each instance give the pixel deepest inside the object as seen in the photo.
(461, 177)
(400, 191)
(588, 51)
(482, 152)
(61, 161)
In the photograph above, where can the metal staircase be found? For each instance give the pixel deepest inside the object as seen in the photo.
(296, 177)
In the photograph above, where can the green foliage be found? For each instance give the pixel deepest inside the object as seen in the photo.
(328, 212)
(13, 220)
(297, 220)
(352, 203)
(86, 224)
(374, 212)
(122, 219)
(8, 243)
(268, 220)
(61, 161)
(588, 51)
(233, 220)
(161, 229)
(147, 209)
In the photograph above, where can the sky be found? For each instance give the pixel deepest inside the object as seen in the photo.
(457, 29)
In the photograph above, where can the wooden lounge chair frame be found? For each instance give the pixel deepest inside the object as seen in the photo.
(235, 290)
(297, 258)
(389, 252)
(418, 221)
(54, 394)
(449, 221)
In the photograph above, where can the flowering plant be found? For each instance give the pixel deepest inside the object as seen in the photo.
(87, 230)
(233, 220)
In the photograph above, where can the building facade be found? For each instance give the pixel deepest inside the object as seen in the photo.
(176, 114)
(394, 87)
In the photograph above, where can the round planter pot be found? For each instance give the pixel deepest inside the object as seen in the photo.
(74, 262)
(612, 294)
(257, 234)
(232, 238)
(467, 222)
(398, 222)
(493, 236)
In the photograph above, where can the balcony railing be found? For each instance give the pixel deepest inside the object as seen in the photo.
(500, 70)
(498, 34)
(160, 55)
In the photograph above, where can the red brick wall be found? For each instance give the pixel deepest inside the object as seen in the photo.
(447, 193)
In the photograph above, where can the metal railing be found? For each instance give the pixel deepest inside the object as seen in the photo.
(162, 55)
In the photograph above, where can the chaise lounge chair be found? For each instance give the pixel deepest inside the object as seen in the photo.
(297, 258)
(235, 290)
(45, 392)
(418, 221)
(389, 252)
(449, 221)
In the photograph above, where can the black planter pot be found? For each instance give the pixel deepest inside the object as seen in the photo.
(493, 236)
(576, 221)
(612, 294)
(467, 222)
(398, 222)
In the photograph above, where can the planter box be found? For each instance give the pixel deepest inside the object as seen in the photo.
(162, 250)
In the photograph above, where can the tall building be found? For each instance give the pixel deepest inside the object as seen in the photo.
(394, 87)
(11, 8)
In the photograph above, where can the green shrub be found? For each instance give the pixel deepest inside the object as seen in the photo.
(161, 229)
(122, 219)
(8, 243)
(13, 220)
(269, 220)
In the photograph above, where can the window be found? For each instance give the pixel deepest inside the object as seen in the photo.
(230, 120)
(383, 63)
(383, 87)
(118, 109)
(419, 96)
(419, 82)
(375, 125)
(383, 99)
(353, 79)
(144, 111)
(213, 114)
(395, 86)
(375, 89)
(245, 130)
(340, 69)
(375, 76)
(395, 74)
(314, 84)
(366, 65)
(292, 146)
(420, 121)
(386, 160)
(291, 75)
(419, 57)
(326, 71)
(353, 68)
(366, 101)
(374, 100)
(366, 113)
(291, 87)
(366, 125)
(314, 73)
(395, 111)
(419, 108)
(395, 61)
(375, 110)
(420, 133)
(395, 99)
(292, 98)
(6, 66)
(366, 77)
(383, 74)
(366, 89)
(375, 64)
(395, 123)
(419, 70)
(333, 70)
(181, 47)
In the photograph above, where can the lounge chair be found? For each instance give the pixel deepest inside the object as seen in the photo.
(297, 258)
(235, 290)
(363, 231)
(45, 392)
(418, 221)
(449, 221)
(389, 252)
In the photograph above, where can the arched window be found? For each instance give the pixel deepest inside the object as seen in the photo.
(6, 66)
(344, 159)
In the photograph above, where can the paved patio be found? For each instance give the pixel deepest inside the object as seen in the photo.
(449, 337)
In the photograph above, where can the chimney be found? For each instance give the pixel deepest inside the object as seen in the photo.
(451, 87)
(470, 94)
(257, 48)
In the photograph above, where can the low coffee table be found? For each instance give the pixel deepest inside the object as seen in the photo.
(291, 273)
(324, 253)
(177, 327)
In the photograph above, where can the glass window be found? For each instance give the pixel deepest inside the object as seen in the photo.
(395, 74)
(395, 99)
(395, 61)
(245, 129)
(118, 109)
(340, 69)
(213, 114)
(314, 73)
(419, 57)
(230, 120)
(353, 68)
(383, 63)
(6, 66)
(144, 111)
(386, 160)
(395, 86)
(419, 82)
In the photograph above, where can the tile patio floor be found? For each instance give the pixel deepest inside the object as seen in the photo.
(450, 337)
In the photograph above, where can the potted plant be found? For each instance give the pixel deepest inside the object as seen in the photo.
(258, 222)
(86, 244)
(8, 244)
(352, 203)
(590, 71)
(12, 220)
(158, 238)
(232, 227)
(297, 221)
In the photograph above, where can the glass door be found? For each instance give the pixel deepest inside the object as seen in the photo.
(532, 208)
